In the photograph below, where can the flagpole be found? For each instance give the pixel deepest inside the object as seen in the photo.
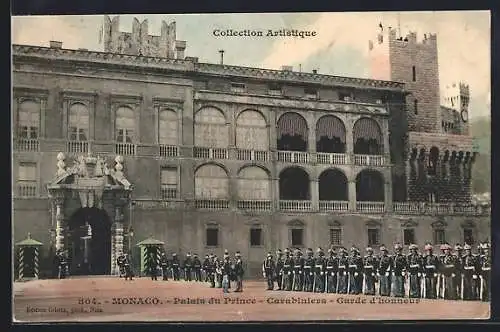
(399, 23)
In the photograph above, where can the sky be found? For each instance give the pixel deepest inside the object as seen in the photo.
(340, 46)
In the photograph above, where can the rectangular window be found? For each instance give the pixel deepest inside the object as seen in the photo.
(169, 179)
(414, 73)
(469, 236)
(238, 87)
(212, 239)
(26, 178)
(439, 236)
(311, 93)
(408, 236)
(124, 135)
(344, 96)
(256, 237)
(373, 236)
(297, 237)
(275, 89)
(415, 106)
(335, 236)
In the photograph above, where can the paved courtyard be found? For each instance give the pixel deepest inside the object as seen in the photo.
(107, 299)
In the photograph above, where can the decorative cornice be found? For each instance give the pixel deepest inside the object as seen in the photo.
(188, 66)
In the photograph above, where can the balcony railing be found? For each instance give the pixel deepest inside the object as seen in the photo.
(168, 192)
(210, 153)
(369, 160)
(332, 158)
(169, 151)
(418, 208)
(333, 205)
(298, 157)
(27, 189)
(125, 149)
(370, 207)
(211, 204)
(293, 205)
(255, 205)
(77, 147)
(252, 155)
(28, 145)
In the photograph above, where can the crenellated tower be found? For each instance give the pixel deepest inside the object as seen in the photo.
(140, 42)
(438, 147)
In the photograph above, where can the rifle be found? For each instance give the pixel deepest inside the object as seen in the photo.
(364, 283)
(462, 287)
(283, 281)
(481, 289)
(348, 282)
(314, 282)
(422, 287)
(326, 282)
(338, 280)
(438, 285)
(293, 281)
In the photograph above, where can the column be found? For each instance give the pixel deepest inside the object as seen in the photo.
(117, 237)
(59, 223)
(352, 195)
(349, 142)
(315, 194)
(387, 146)
(276, 193)
(388, 195)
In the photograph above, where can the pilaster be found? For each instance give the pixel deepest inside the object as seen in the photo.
(352, 194)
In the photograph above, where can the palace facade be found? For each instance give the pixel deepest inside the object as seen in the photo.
(207, 157)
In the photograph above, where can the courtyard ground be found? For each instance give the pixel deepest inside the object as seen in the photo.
(110, 299)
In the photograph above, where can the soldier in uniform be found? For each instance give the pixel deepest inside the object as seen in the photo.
(440, 281)
(197, 268)
(152, 265)
(210, 270)
(319, 272)
(278, 273)
(430, 273)
(298, 268)
(287, 271)
(239, 272)
(63, 265)
(485, 273)
(415, 269)
(226, 273)
(218, 271)
(458, 254)
(469, 277)
(332, 268)
(355, 272)
(370, 264)
(127, 267)
(176, 267)
(343, 277)
(384, 272)
(308, 271)
(399, 268)
(206, 267)
(164, 266)
(449, 272)
(119, 263)
(188, 267)
(268, 270)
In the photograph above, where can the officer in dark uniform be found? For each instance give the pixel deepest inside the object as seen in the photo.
(469, 275)
(63, 265)
(127, 266)
(206, 267)
(239, 272)
(197, 268)
(319, 271)
(458, 254)
(298, 267)
(55, 265)
(430, 273)
(308, 271)
(384, 272)
(218, 271)
(119, 263)
(287, 271)
(210, 271)
(449, 272)
(176, 267)
(188, 267)
(355, 272)
(152, 264)
(440, 281)
(370, 264)
(278, 273)
(268, 270)
(399, 268)
(343, 275)
(226, 273)
(332, 268)
(485, 273)
(415, 269)
(164, 266)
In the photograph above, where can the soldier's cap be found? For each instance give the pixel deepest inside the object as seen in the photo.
(428, 247)
(319, 250)
(237, 254)
(446, 247)
(195, 255)
(279, 252)
(369, 249)
(354, 249)
(226, 254)
(188, 254)
(330, 250)
(467, 247)
(397, 246)
(287, 251)
(383, 248)
(226, 251)
(174, 254)
(458, 247)
(207, 256)
(413, 247)
(269, 255)
(485, 245)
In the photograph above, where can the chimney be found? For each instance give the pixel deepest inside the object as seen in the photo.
(221, 56)
(287, 68)
(315, 71)
(55, 44)
(180, 46)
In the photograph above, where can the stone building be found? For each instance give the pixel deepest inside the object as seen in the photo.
(207, 157)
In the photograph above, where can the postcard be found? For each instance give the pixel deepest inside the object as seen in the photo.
(251, 167)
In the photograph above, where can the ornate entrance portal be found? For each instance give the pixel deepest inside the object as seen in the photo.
(89, 201)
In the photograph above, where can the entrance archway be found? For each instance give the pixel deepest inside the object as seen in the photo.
(89, 242)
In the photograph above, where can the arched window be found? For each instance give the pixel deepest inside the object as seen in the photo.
(433, 161)
(29, 119)
(330, 135)
(333, 186)
(168, 127)
(251, 131)
(211, 182)
(125, 125)
(292, 132)
(210, 128)
(294, 184)
(370, 186)
(254, 184)
(367, 137)
(78, 124)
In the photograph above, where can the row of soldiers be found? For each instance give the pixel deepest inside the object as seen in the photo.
(213, 270)
(453, 275)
